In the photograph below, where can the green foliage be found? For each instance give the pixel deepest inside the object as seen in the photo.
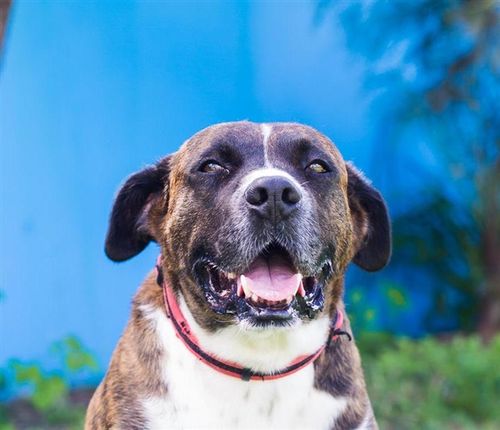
(76, 358)
(430, 384)
(49, 390)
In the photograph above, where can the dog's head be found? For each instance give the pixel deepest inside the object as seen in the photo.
(255, 223)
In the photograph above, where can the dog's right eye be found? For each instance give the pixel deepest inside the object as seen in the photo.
(212, 166)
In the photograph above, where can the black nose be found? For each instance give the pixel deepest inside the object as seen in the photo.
(273, 197)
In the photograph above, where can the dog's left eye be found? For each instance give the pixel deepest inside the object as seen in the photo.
(318, 166)
(212, 166)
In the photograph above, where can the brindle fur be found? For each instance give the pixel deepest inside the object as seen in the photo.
(160, 204)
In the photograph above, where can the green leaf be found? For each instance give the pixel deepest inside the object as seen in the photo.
(26, 373)
(49, 392)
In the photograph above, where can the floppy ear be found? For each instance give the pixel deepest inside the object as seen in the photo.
(128, 231)
(371, 222)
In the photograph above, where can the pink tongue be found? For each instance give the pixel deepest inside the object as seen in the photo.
(273, 279)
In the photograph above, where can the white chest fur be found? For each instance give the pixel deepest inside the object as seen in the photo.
(202, 398)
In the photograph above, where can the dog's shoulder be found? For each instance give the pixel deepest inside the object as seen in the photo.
(134, 369)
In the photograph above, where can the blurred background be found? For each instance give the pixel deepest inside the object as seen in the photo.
(408, 90)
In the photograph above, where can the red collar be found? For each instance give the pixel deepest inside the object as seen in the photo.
(186, 335)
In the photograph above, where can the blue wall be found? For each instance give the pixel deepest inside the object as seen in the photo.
(92, 91)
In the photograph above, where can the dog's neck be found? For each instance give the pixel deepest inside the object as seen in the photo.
(263, 350)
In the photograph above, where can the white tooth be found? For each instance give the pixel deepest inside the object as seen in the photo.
(289, 300)
(254, 297)
(239, 290)
(245, 286)
(298, 279)
(302, 291)
(231, 276)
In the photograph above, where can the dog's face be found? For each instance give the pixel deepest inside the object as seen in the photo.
(255, 222)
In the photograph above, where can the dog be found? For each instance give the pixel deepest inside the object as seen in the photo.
(241, 324)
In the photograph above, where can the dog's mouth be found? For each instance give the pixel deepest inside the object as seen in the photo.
(271, 291)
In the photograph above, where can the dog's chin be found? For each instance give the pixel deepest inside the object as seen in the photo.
(270, 293)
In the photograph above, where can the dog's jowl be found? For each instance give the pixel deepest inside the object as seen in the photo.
(241, 322)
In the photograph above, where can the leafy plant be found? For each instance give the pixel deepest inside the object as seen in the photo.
(74, 356)
(432, 384)
(48, 391)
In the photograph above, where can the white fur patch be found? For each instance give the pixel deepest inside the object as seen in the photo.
(201, 398)
(265, 172)
(266, 132)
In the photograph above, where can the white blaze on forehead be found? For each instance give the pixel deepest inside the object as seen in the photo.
(266, 132)
(267, 172)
